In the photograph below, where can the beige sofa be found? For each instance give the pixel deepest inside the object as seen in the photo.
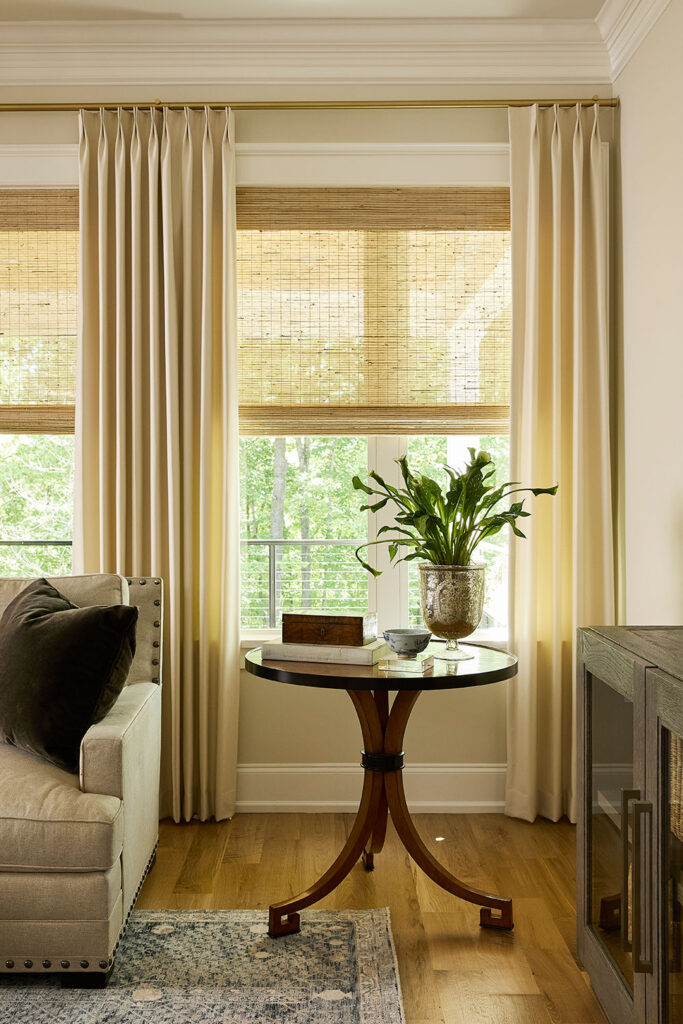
(75, 849)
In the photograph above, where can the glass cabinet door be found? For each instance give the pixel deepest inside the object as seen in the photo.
(612, 791)
(672, 876)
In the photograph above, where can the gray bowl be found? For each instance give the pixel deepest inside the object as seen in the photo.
(406, 643)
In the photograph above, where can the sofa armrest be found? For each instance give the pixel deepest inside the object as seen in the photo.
(120, 756)
(126, 741)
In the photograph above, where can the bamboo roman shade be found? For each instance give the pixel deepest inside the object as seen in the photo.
(374, 311)
(38, 309)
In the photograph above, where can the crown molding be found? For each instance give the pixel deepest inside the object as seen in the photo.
(281, 52)
(624, 24)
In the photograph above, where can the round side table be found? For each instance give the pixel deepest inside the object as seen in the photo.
(383, 728)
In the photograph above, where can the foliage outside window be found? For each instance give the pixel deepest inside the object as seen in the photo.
(38, 327)
(298, 489)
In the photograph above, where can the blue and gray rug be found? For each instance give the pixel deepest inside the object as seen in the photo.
(221, 967)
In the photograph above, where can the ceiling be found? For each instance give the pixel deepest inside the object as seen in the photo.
(124, 10)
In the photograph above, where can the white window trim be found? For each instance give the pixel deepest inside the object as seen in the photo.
(302, 164)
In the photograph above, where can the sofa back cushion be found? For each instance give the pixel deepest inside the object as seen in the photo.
(95, 588)
(61, 669)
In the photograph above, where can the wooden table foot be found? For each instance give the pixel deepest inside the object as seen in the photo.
(282, 924)
(503, 920)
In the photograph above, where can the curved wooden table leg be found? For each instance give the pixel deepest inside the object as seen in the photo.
(283, 916)
(379, 831)
(400, 816)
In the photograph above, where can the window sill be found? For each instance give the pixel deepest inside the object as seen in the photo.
(250, 638)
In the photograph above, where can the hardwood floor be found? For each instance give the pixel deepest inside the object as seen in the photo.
(452, 971)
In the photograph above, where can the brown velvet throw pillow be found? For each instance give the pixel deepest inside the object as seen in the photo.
(61, 669)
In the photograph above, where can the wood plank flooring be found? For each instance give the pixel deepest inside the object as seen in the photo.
(452, 971)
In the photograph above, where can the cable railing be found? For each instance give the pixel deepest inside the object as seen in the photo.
(294, 575)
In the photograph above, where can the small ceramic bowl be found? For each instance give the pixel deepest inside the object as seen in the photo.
(406, 643)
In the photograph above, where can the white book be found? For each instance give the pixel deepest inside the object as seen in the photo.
(369, 654)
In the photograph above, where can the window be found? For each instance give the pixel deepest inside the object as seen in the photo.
(38, 327)
(297, 491)
(371, 323)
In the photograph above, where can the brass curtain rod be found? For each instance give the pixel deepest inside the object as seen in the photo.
(311, 104)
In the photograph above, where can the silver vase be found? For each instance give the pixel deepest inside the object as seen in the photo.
(452, 598)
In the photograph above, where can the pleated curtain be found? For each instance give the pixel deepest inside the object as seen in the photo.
(157, 472)
(562, 576)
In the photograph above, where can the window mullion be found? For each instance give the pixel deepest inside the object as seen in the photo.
(388, 593)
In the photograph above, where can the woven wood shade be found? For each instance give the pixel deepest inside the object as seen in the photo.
(373, 209)
(38, 309)
(374, 311)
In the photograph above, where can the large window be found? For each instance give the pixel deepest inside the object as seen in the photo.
(372, 323)
(38, 325)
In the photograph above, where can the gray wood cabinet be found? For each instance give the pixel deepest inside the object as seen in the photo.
(630, 820)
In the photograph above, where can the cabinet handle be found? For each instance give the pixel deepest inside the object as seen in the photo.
(641, 808)
(626, 796)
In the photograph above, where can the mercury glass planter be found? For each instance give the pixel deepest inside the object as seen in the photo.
(452, 598)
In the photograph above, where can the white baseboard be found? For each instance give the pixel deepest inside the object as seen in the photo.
(430, 788)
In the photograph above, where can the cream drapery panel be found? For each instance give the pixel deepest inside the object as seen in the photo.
(562, 575)
(157, 472)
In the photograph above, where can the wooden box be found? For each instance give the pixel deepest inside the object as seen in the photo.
(348, 629)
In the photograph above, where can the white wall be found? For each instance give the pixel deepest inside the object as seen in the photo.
(650, 88)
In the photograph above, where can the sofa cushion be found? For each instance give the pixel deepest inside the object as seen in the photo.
(92, 588)
(58, 895)
(61, 669)
(48, 824)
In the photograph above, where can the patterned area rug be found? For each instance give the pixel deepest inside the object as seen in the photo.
(221, 967)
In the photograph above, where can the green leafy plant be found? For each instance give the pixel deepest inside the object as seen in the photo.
(444, 527)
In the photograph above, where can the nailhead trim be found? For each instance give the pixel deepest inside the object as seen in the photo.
(155, 643)
(155, 679)
(102, 964)
(158, 583)
(157, 603)
(156, 624)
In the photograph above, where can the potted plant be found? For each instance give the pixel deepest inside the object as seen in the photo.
(444, 528)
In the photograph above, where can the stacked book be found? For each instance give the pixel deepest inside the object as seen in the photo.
(343, 639)
(328, 654)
